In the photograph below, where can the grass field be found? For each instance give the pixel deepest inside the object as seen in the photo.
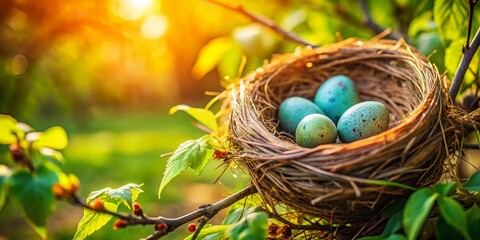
(116, 148)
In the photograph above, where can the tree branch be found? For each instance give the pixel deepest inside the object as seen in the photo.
(374, 26)
(471, 4)
(263, 21)
(468, 53)
(206, 213)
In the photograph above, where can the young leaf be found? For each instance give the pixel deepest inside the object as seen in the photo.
(445, 189)
(7, 126)
(473, 219)
(204, 116)
(473, 183)
(454, 214)
(210, 55)
(126, 194)
(234, 215)
(92, 221)
(54, 137)
(451, 17)
(213, 232)
(416, 211)
(111, 198)
(4, 174)
(192, 154)
(393, 225)
(32, 194)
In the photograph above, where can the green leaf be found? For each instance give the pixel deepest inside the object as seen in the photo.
(397, 205)
(395, 237)
(8, 125)
(204, 116)
(192, 154)
(126, 194)
(54, 137)
(210, 55)
(212, 232)
(416, 211)
(454, 214)
(230, 64)
(445, 189)
(444, 231)
(473, 183)
(32, 195)
(421, 24)
(453, 54)
(372, 238)
(393, 225)
(451, 17)
(234, 215)
(473, 220)
(52, 156)
(258, 225)
(4, 174)
(92, 221)
(233, 231)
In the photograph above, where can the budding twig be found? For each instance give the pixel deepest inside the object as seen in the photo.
(205, 213)
(263, 21)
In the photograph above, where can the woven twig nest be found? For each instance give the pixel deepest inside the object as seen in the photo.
(334, 181)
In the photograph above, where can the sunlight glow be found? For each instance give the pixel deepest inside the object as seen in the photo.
(132, 9)
(154, 26)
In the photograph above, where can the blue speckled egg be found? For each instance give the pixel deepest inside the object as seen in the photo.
(363, 120)
(315, 129)
(335, 96)
(292, 110)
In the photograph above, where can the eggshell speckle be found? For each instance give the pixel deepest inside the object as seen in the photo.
(294, 109)
(363, 120)
(315, 129)
(336, 95)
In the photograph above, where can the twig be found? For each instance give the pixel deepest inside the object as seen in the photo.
(263, 21)
(467, 57)
(471, 4)
(171, 224)
(468, 53)
(370, 23)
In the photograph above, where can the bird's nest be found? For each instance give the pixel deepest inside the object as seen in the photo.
(346, 183)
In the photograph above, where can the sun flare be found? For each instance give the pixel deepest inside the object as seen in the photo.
(133, 9)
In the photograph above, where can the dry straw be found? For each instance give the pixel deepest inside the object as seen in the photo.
(346, 183)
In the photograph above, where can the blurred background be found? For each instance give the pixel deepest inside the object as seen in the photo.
(109, 70)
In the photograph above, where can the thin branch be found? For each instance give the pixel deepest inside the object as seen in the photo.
(467, 57)
(263, 21)
(201, 224)
(370, 23)
(471, 4)
(207, 212)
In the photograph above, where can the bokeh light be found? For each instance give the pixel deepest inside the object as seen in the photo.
(19, 64)
(132, 9)
(154, 26)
